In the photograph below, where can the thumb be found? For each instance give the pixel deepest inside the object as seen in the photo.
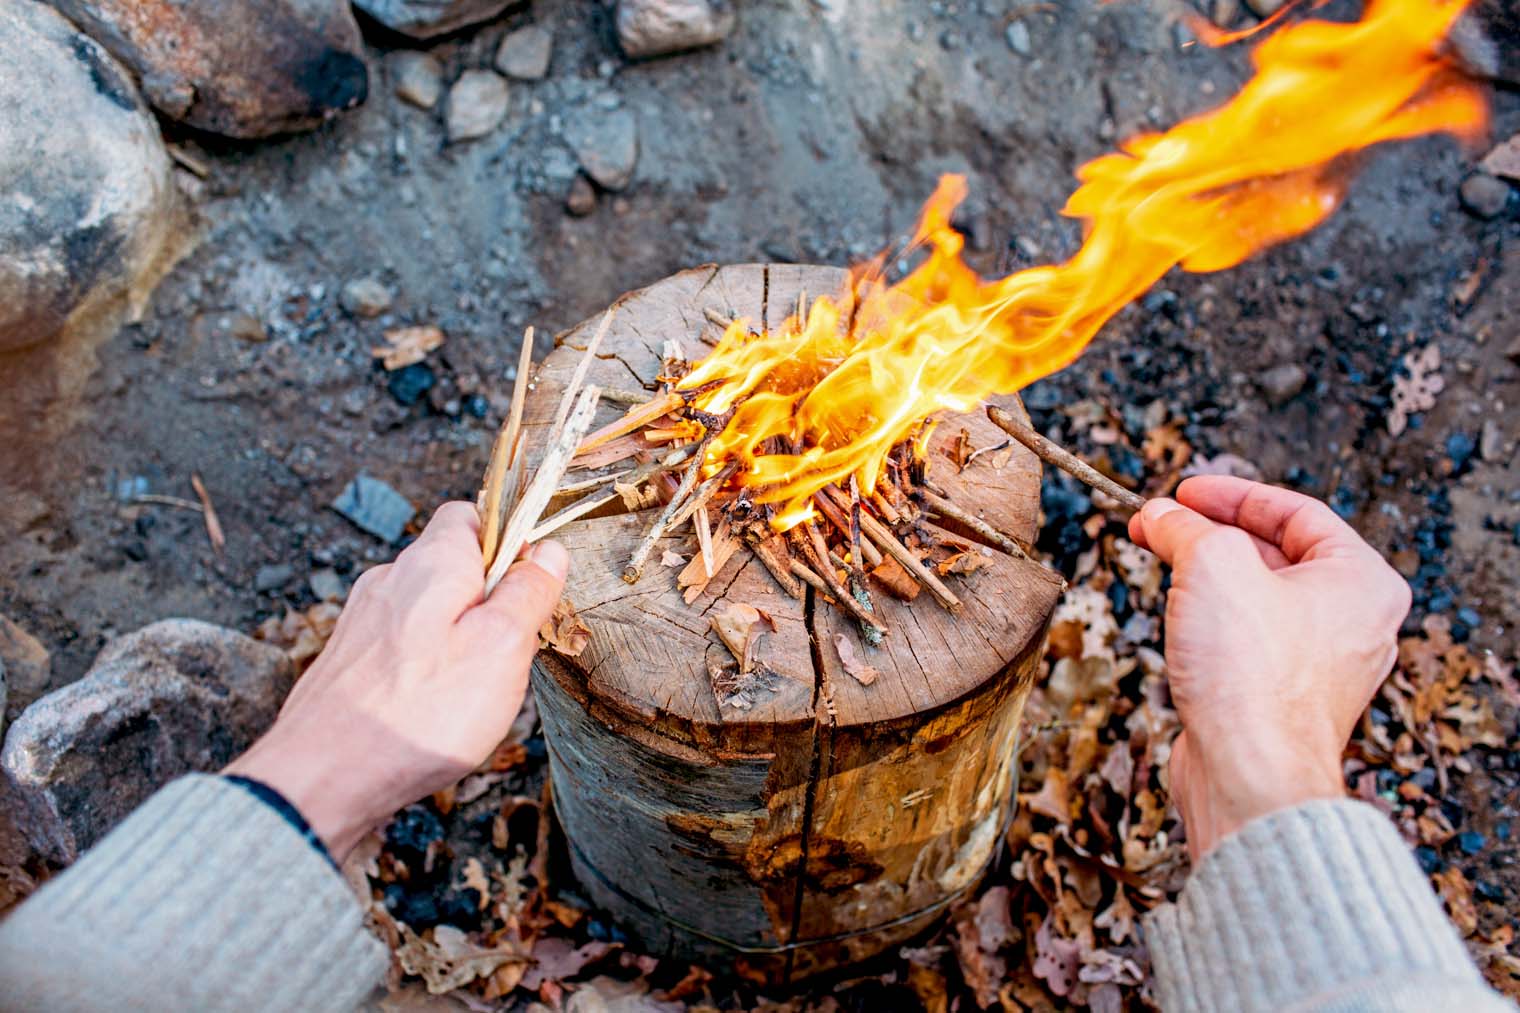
(526, 596)
(1170, 530)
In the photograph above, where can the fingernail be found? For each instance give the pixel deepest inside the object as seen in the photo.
(551, 557)
(1157, 508)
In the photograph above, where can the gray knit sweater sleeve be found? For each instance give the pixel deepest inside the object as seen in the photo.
(1318, 907)
(205, 898)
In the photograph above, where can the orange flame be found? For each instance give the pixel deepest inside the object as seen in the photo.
(814, 405)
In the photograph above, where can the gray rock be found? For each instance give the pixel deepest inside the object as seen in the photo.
(375, 507)
(272, 577)
(1264, 8)
(1484, 195)
(1486, 40)
(232, 67)
(1281, 384)
(326, 585)
(86, 216)
(581, 200)
(425, 19)
(607, 145)
(1017, 36)
(365, 297)
(525, 53)
(477, 103)
(28, 666)
(174, 697)
(658, 27)
(419, 78)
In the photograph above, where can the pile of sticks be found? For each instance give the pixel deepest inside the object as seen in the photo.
(889, 540)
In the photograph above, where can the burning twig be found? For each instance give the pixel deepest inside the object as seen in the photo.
(704, 492)
(942, 506)
(878, 532)
(1064, 459)
(812, 545)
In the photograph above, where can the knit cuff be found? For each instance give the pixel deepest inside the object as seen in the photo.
(1320, 906)
(205, 898)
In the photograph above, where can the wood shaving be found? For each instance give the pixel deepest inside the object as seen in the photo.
(407, 346)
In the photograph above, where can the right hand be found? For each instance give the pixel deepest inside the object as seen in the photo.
(1281, 623)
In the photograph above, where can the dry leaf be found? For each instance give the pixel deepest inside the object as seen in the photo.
(739, 626)
(564, 631)
(449, 960)
(406, 346)
(895, 577)
(962, 563)
(668, 558)
(1417, 391)
(857, 668)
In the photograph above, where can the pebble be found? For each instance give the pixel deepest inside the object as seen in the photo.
(409, 383)
(1471, 842)
(1017, 35)
(419, 78)
(375, 507)
(607, 146)
(272, 577)
(326, 585)
(525, 54)
(1460, 447)
(477, 103)
(1264, 8)
(365, 297)
(1281, 384)
(1490, 441)
(427, 19)
(659, 27)
(1483, 195)
(581, 200)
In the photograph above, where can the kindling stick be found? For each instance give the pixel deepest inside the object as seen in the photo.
(1064, 459)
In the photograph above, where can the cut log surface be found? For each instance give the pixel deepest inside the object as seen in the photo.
(827, 819)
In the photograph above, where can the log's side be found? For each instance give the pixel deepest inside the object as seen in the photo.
(693, 854)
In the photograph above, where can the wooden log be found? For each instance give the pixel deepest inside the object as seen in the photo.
(803, 820)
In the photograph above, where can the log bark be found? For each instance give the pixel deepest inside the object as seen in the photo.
(822, 820)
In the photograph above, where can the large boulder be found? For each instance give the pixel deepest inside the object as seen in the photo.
(426, 19)
(658, 27)
(232, 67)
(174, 697)
(86, 214)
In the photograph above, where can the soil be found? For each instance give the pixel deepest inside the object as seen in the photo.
(811, 135)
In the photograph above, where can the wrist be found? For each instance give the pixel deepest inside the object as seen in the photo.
(1227, 783)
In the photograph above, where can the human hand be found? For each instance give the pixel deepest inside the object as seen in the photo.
(1281, 623)
(419, 683)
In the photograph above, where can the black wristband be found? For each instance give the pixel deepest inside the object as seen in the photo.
(280, 804)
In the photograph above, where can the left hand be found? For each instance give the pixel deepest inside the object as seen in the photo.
(419, 683)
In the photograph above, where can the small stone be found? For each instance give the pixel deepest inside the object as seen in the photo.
(375, 507)
(409, 383)
(1490, 441)
(581, 200)
(525, 53)
(658, 27)
(607, 146)
(365, 297)
(419, 78)
(245, 327)
(1264, 8)
(477, 103)
(326, 585)
(1460, 448)
(1017, 36)
(426, 19)
(1484, 196)
(1471, 842)
(174, 697)
(272, 577)
(1281, 384)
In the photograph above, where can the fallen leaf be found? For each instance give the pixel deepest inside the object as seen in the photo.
(564, 631)
(861, 672)
(738, 626)
(1416, 389)
(895, 577)
(669, 558)
(449, 960)
(960, 563)
(1056, 960)
(556, 959)
(406, 346)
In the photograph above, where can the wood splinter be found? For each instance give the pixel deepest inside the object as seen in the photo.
(635, 568)
(1064, 459)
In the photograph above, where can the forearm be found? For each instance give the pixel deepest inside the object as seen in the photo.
(1319, 906)
(207, 898)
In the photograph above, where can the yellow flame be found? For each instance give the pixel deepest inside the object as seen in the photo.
(814, 404)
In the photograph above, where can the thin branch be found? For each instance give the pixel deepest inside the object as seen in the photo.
(1064, 459)
(945, 508)
(635, 568)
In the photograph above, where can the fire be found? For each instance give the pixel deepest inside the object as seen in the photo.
(820, 399)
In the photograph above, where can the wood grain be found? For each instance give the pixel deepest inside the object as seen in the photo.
(828, 819)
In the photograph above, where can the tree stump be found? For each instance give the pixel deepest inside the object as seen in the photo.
(829, 820)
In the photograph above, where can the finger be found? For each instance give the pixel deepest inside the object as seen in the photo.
(1269, 553)
(525, 598)
(1301, 526)
(450, 541)
(1171, 531)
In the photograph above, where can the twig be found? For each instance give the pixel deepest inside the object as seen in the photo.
(703, 525)
(991, 448)
(813, 546)
(635, 568)
(801, 571)
(1064, 459)
(945, 508)
(632, 476)
(637, 417)
(495, 497)
(214, 533)
(878, 532)
(153, 499)
(631, 398)
(717, 318)
(551, 469)
(574, 511)
(779, 567)
(704, 493)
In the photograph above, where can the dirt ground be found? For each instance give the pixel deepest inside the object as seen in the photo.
(811, 135)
